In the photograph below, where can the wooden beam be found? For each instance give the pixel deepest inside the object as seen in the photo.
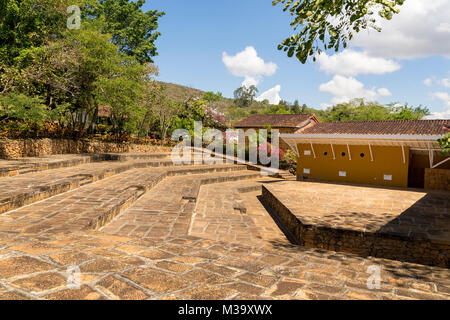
(293, 146)
(404, 156)
(371, 153)
(442, 162)
(349, 154)
(314, 152)
(332, 149)
(296, 150)
(431, 156)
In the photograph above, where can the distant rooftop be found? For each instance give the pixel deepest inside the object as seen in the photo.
(387, 127)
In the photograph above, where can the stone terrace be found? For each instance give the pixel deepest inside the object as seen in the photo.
(138, 227)
(413, 225)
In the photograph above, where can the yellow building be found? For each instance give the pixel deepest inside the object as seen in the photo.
(389, 153)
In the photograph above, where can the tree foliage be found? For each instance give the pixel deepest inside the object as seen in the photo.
(360, 110)
(50, 73)
(27, 23)
(325, 24)
(244, 96)
(133, 30)
(444, 143)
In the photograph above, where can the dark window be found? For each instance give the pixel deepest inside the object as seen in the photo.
(362, 155)
(325, 153)
(343, 154)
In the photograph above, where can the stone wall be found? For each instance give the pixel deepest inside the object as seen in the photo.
(437, 179)
(12, 148)
(365, 244)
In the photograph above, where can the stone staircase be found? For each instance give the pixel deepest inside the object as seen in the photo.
(89, 195)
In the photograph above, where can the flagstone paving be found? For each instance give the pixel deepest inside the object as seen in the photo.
(192, 235)
(222, 214)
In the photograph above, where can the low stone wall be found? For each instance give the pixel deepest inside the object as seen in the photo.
(437, 179)
(364, 244)
(13, 149)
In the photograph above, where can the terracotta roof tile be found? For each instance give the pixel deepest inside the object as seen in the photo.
(104, 111)
(275, 120)
(388, 127)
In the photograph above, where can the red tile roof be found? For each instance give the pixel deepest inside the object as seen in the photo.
(388, 127)
(104, 111)
(275, 120)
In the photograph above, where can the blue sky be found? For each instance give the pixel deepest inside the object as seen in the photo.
(406, 62)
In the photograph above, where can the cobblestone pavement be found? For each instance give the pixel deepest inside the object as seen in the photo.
(153, 247)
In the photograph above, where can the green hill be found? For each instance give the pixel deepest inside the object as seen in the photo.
(181, 93)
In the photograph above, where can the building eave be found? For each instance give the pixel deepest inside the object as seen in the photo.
(411, 141)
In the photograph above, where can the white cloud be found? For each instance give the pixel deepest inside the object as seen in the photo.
(440, 82)
(325, 106)
(351, 63)
(272, 95)
(384, 92)
(421, 29)
(250, 81)
(248, 65)
(439, 115)
(445, 83)
(443, 27)
(345, 89)
(443, 96)
(428, 82)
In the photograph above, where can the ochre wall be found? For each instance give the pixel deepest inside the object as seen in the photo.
(387, 161)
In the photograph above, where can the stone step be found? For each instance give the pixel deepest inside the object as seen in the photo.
(232, 212)
(140, 156)
(135, 156)
(27, 165)
(166, 210)
(25, 189)
(93, 205)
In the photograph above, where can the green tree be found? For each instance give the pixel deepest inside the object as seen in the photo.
(444, 143)
(121, 89)
(244, 96)
(405, 112)
(295, 108)
(132, 29)
(29, 23)
(83, 69)
(360, 110)
(213, 97)
(324, 24)
(17, 106)
(65, 74)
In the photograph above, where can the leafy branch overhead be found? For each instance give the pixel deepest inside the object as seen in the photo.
(444, 142)
(331, 24)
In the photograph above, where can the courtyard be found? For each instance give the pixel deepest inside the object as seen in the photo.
(135, 226)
